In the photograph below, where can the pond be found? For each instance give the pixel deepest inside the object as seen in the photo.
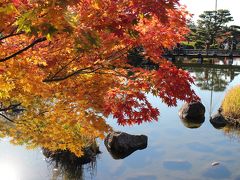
(175, 151)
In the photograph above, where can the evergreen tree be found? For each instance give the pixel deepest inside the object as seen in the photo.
(213, 25)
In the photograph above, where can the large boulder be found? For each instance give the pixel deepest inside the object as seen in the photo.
(218, 121)
(193, 111)
(121, 144)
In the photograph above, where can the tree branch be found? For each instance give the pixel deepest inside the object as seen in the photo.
(10, 35)
(114, 56)
(7, 118)
(11, 107)
(80, 71)
(63, 67)
(24, 49)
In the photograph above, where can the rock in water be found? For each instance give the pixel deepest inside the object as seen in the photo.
(218, 121)
(192, 111)
(121, 144)
(215, 163)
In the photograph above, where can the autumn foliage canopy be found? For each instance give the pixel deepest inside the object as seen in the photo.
(64, 66)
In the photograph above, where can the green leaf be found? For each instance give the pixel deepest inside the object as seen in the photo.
(48, 36)
(8, 9)
(24, 22)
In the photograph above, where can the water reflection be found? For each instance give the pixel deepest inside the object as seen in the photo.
(8, 171)
(66, 165)
(177, 165)
(192, 124)
(143, 178)
(117, 154)
(199, 147)
(213, 77)
(232, 131)
(217, 172)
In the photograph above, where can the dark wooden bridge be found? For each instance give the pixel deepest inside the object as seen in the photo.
(203, 53)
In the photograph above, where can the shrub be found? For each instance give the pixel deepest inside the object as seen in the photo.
(214, 46)
(187, 45)
(231, 103)
(199, 44)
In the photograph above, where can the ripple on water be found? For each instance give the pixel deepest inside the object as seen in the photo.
(237, 178)
(217, 172)
(177, 165)
(143, 178)
(200, 147)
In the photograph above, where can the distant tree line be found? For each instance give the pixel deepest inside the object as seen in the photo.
(212, 30)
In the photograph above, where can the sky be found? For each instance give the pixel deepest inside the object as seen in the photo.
(197, 7)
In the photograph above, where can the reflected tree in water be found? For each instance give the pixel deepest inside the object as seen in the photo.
(68, 166)
(213, 79)
(232, 131)
(192, 124)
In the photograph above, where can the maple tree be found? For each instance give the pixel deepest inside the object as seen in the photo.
(64, 67)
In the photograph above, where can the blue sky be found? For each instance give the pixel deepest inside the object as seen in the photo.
(198, 6)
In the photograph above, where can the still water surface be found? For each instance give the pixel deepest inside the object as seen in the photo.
(174, 151)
